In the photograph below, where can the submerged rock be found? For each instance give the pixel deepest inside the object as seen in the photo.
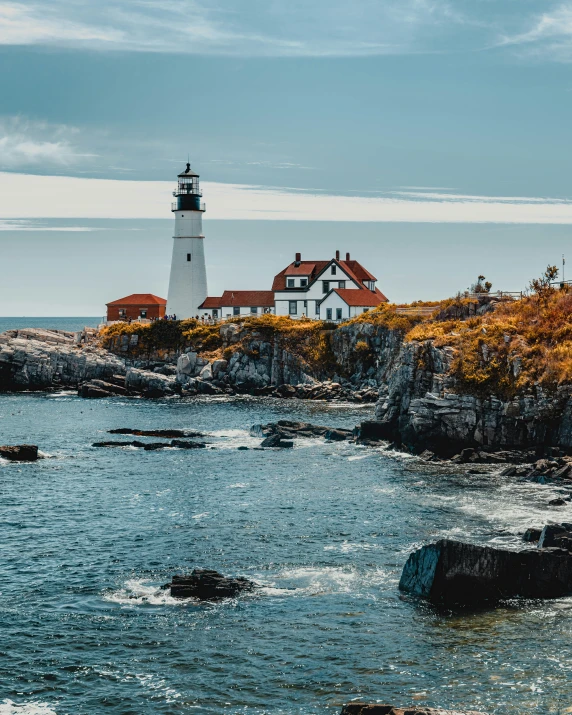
(451, 572)
(208, 585)
(377, 709)
(19, 452)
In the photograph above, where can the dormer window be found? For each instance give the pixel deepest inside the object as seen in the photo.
(290, 283)
(303, 282)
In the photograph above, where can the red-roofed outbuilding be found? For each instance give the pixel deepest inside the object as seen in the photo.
(137, 306)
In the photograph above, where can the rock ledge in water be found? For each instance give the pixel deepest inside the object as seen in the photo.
(208, 585)
(20, 452)
(377, 709)
(452, 572)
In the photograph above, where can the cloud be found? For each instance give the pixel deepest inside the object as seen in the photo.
(233, 27)
(25, 143)
(549, 35)
(72, 197)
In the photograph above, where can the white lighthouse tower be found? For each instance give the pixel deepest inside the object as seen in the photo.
(188, 280)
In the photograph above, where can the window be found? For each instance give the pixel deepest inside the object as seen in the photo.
(236, 311)
(215, 313)
(143, 314)
(365, 310)
(303, 282)
(293, 307)
(328, 313)
(372, 286)
(121, 312)
(325, 286)
(254, 310)
(305, 305)
(338, 313)
(341, 284)
(189, 257)
(333, 270)
(317, 308)
(290, 283)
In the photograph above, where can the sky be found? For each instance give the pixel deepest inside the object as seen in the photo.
(431, 138)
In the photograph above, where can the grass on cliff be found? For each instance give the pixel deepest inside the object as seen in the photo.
(520, 344)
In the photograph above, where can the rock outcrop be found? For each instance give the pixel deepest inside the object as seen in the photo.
(19, 452)
(378, 709)
(274, 432)
(208, 585)
(36, 359)
(453, 573)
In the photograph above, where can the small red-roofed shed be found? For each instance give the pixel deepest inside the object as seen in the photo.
(137, 306)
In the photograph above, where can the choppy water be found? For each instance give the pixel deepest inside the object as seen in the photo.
(88, 536)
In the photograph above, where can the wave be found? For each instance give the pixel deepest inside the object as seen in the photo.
(139, 592)
(9, 707)
(324, 580)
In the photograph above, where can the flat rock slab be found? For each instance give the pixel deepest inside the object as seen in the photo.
(208, 585)
(166, 433)
(20, 452)
(456, 573)
(369, 709)
(152, 446)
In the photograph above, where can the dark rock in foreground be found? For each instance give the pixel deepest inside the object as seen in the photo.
(289, 430)
(451, 572)
(375, 709)
(20, 452)
(208, 585)
(532, 535)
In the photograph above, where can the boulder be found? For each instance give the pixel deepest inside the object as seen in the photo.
(552, 534)
(559, 501)
(377, 709)
(374, 430)
(276, 440)
(100, 388)
(452, 572)
(186, 363)
(335, 435)
(219, 366)
(206, 373)
(19, 452)
(89, 391)
(208, 585)
(186, 444)
(532, 535)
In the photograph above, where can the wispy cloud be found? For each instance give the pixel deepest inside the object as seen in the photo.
(25, 143)
(547, 35)
(72, 197)
(233, 27)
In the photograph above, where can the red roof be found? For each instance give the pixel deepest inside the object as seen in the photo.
(358, 270)
(360, 298)
(241, 299)
(306, 268)
(211, 303)
(139, 299)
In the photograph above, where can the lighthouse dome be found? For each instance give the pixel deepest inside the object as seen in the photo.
(187, 172)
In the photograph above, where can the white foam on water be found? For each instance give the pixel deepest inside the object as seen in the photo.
(233, 438)
(318, 581)
(139, 592)
(9, 707)
(238, 485)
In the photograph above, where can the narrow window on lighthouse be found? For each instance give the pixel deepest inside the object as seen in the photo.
(188, 256)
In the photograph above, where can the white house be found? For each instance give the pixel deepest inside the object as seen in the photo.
(312, 288)
(321, 290)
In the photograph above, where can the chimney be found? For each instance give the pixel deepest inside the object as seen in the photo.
(347, 256)
(298, 258)
(337, 255)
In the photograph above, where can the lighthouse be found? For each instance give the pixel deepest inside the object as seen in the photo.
(188, 280)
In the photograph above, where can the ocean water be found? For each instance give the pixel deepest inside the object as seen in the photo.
(89, 535)
(71, 324)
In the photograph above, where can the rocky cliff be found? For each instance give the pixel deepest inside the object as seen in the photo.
(424, 406)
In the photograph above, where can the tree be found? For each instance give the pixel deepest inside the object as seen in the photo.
(542, 287)
(481, 286)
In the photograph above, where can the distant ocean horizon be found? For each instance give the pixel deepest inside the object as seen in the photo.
(49, 323)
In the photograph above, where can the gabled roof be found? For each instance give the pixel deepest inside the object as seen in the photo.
(139, 299)
(241, 299)
(360, 298)
(358, 270)
(315, 267)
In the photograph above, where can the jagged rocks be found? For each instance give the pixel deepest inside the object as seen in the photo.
(276, 440)
(291, 430)
(377, 709)
(208, 585)
(451, 572)
(19, 452)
